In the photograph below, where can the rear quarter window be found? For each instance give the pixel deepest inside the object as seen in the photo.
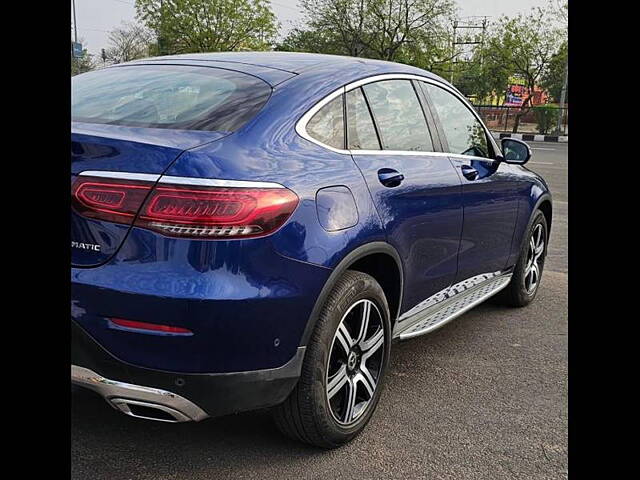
(168, 96)
(327, 125)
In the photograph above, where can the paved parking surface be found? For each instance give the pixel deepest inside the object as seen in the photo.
(484, 397)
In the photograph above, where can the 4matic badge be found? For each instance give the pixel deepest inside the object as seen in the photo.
(85, 246)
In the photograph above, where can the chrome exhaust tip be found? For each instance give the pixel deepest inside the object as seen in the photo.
(148, 411)
(137, 400)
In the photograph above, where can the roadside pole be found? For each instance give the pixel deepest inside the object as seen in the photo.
(563, 96)
(75, 33)
(75, 24)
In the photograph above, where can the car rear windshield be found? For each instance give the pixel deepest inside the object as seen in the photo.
(168, 96)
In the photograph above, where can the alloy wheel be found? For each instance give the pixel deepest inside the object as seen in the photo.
(355, 362)
(533, 266)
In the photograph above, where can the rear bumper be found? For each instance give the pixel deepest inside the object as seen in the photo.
(176, 397)
(246, 305)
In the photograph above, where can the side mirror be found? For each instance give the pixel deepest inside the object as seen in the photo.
(515, 151)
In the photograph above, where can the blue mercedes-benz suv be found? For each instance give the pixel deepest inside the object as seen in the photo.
(253, 230)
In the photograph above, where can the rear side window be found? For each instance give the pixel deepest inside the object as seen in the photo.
(464, 133)
(398, 115)
(327, 125)
(168, 96)
(361, 132)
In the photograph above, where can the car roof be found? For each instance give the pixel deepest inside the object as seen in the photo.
(294, 63)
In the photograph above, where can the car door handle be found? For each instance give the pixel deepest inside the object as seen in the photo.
(469, 172)
(390, 177)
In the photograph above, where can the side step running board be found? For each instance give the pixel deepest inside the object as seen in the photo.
(446, 310)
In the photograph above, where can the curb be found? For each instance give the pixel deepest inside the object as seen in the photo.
(530, 137)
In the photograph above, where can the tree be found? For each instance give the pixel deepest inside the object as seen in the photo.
(396, 24)
(394, 30)
(129, 42)
(83, 64)
(341, 23)
(185, 26)
(553, 80)
(523, 46)
(313, 41)
(559, 10)
(480, 79)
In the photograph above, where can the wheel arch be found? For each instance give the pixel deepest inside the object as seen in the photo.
(377, 259)
(544, 204)
(546, 207)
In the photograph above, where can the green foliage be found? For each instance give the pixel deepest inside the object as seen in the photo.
(522, 45)
(553, 79)
(186, 26)
(409, 31)
(415, 32)
(481, 79)
(546, 116)
(86, 63)
(300, 40)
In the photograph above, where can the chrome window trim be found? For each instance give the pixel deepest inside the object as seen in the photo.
(192, 181)
(301, 125)
(419, 153)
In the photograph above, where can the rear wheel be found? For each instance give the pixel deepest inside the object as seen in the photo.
(528, 271)
(344, 366)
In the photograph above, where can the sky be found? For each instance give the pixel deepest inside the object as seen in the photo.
(97, 17)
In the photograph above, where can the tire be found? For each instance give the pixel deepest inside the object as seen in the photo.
(308, 415)
(519, 292)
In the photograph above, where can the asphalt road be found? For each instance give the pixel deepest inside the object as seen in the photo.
(484, 397)
(551, 161)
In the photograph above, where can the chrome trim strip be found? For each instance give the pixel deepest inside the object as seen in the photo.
(196, 182)
(422, 154)
(459, 156)
(214, 182)
(301, 125)
(399, 152)
(145, 177)
(113, 389)
(398, 76)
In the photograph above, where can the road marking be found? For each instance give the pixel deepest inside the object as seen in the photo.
(541, 163)
(542, 148)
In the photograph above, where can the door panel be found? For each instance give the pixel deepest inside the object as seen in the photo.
(490, 213)
(418, 195)
(422, 217)
(490, 199)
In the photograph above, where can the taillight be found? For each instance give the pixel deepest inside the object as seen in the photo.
(185, 211)
(109, 199)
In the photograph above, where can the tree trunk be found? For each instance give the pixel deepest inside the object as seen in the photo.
(524, 109)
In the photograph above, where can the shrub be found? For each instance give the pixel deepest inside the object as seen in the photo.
(546, 116)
